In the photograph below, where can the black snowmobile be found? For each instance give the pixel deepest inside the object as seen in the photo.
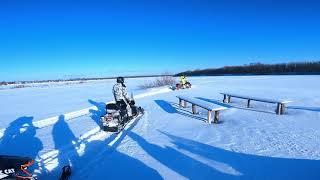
(117, 117)
(15, 167)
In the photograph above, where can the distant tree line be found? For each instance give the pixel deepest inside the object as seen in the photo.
(259, 69)
(75, 79)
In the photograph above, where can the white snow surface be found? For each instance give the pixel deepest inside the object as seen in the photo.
(59, 125)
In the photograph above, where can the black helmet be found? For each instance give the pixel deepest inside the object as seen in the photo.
(120, 80)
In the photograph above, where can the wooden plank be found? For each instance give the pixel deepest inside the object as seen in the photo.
(180, 102)
(224, 98)
(209, 117)
(201, 103)
(283, 107)
(184, 104)
(194, 109)
(278, 110)
(248, 105)
(206, 105)
(216, 117)
(256, 98)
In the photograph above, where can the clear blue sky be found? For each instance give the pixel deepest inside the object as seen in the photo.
(62, 39)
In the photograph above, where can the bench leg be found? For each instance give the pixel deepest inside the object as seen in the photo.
(209, 117)
(225, 98)
(216, 117)
(229, 99)
(248, 105)
(184, 104)
(278, 110)
(194, 109)
(283, 107)
(180, 102)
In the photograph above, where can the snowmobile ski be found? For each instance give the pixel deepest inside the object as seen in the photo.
(122, 127)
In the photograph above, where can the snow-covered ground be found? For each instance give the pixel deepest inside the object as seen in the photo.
(59, 125)
(42, 102)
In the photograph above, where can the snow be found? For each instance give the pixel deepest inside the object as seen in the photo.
(52, 100)
(202, 103)
(59, 125)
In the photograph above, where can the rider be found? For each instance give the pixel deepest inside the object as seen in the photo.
(121, 97)
(183, 80)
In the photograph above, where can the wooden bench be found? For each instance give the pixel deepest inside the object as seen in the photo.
(281, 104)
(203, 104)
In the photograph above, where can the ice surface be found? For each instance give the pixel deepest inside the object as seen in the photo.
(169, 142)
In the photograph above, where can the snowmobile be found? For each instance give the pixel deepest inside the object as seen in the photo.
(15, 167)
(116, 117)
(187, 85)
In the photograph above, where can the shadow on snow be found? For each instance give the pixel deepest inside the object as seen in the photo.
(172, 108)
(178, 162)
(225, 163)
(19, 139)
(96, 114)
(316, 109)
(96, 159)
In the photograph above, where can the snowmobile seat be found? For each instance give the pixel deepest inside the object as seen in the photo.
(111, 106)
(203, 104)
(113, 112)
(281, 104)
